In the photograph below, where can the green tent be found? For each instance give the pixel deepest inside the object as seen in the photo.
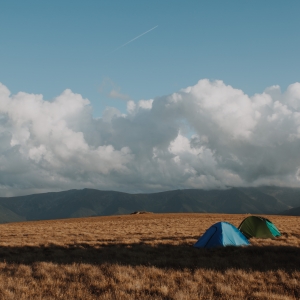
(258, 227)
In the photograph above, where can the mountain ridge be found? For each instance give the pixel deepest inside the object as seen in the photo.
(91, 202)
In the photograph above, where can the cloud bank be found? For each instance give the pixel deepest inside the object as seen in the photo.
(209, 135)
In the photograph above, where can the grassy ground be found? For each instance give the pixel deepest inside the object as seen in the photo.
(145, 257)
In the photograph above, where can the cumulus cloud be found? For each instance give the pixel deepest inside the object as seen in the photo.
(209, 135)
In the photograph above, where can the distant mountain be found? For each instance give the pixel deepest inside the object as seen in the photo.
(91, 202)
(292, 212)
(289, 196)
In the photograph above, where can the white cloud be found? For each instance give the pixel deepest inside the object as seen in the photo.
(146, 104)
(236, 140)
(115, 94)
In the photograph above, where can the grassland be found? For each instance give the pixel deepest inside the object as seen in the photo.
(145, 257)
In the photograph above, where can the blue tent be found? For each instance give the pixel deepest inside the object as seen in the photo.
(220, 235)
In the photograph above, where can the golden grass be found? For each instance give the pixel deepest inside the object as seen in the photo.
(148, 256)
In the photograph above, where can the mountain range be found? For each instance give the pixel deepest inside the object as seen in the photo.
(92, 202)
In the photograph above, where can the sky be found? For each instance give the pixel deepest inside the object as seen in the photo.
(144, 96)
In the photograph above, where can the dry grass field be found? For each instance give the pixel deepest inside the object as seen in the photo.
(147, 256)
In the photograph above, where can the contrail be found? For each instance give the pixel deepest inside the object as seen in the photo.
(135, 38)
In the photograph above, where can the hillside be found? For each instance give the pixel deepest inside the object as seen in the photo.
(91, 202)
(145, 257)
(289, 196)
(292, 212)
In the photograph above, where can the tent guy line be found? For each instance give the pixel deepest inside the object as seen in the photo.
(135, 38)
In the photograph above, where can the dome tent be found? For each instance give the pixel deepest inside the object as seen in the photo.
(259, 227)
(220, 235)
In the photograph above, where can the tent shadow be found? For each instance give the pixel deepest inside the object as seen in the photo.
(165, 256)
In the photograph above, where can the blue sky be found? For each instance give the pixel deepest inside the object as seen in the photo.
(210, 98)
(48, 46)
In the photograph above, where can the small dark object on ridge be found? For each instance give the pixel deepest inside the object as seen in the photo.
(141, 212)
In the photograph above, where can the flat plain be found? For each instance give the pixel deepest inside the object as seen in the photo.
(147, 256)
